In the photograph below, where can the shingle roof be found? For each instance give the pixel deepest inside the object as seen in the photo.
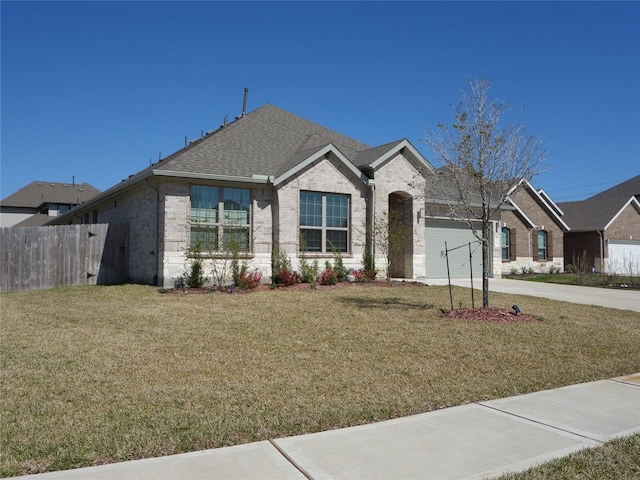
(597, 211)
(262, 142)
(38, 193)
(258, 147)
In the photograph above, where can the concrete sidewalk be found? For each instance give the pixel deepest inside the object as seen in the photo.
(603, 297)
(478, 440)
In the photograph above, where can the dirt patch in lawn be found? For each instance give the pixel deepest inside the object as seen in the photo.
(500, 315)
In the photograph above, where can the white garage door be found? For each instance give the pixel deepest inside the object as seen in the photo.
(624, 257)
(456, 234)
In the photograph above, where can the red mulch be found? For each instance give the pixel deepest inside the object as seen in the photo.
(293, 288)
(500, 315)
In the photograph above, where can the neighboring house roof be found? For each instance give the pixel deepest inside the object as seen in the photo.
(35, 220)
(543, 200)
(442, 188)
(38, 193)
(264, 146)
(596, 212)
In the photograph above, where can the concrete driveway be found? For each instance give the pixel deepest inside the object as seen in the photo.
(603, 297)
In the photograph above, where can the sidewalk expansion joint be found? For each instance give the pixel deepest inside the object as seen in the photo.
(624, 382)
(540, 423)
(290, 460)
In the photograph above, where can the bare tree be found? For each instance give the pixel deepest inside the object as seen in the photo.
(481, 162)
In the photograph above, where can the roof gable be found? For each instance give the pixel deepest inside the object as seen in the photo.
(541, 198)
(633, 201)
(304, 159)
(374, 158)
(596, 212)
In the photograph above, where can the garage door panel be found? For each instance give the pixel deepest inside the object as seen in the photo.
(624, 257)
(457, 236)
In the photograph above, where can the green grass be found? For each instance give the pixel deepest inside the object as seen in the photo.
(587, 279)
(618, 459)
(94, 375)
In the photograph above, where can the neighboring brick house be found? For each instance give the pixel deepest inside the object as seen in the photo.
(38, 202)
(605, 229)
(265, 180)
(532, 232)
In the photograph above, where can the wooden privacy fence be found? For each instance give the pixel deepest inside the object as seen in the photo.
(65, 255)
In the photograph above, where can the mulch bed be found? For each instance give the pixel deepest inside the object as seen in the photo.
(499, 315)
(293, 288)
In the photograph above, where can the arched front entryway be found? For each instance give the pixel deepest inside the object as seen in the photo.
(400, 235)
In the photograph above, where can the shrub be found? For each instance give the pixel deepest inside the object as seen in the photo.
(553, 269)
(246, 280)
(286, 277)
(368, 261)
(365, 275)
(328, 277)
(338, 266)
(308, 271)
(281, 271)
(194, 276)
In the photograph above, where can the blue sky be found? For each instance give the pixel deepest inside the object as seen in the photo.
(95, 90)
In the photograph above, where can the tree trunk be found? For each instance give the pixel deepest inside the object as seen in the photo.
(486, 249)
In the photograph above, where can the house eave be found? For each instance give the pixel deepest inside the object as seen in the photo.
(258, 179)
(438, 201)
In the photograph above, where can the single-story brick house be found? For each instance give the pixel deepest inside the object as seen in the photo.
(35, 204)
(605, 229)
(268, 179)
(532, 232)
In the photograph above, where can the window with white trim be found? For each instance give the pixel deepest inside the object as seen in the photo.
(324, 222)
(220, 218)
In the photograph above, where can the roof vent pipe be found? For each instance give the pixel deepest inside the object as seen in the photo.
(244, 102)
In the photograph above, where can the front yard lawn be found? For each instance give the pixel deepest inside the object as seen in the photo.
(586, 279)
(94, 375)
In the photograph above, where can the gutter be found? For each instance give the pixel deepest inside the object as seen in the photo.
(601, 236)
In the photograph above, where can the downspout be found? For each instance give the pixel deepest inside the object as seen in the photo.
(601, 237)
(156, 277)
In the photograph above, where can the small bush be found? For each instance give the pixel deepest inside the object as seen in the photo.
(328, 277)
(194, 276)
(281, 271)
(338, 266)
(286, 277)
(246, 280)
(368, 262)
(365, 275)
(308, 271)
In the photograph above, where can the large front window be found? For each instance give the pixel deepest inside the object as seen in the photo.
(324, 222)
(220, 219)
